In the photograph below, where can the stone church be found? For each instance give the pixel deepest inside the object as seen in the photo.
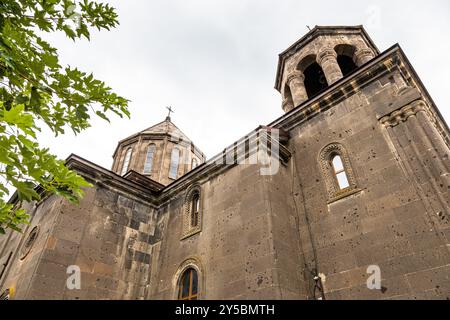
(360, 193)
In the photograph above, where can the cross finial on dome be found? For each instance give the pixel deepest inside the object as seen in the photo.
(170, 111)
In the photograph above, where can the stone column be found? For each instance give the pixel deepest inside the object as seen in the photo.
(417, 123)
(413, 128)
(435, 142)
(296, 82)
(423, 156)
(362, 56)
(327, 59)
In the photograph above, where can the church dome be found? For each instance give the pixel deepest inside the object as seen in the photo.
(161, 152)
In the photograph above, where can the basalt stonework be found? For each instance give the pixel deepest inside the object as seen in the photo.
(165, 224)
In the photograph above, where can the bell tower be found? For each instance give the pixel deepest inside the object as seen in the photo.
(319, 59)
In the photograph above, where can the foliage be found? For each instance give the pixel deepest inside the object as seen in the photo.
(35, 89)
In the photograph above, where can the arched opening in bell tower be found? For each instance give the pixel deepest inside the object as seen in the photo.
(315, 80)
(345, 58)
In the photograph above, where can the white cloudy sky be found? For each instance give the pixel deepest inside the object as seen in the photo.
(215, 62)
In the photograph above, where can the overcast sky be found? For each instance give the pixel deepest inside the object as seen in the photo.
(214, 62)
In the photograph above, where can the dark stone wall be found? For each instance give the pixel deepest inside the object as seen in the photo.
(266, 237)
(393, 221)
(109, 235)
(23, 272)
(247, 248)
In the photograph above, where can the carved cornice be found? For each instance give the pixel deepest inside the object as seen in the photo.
(402, 115)
(295, 75)
(361, 52)
(326, 54)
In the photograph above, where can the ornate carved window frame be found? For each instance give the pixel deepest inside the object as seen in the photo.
(326, 156)
(29, 242)
(188, 229)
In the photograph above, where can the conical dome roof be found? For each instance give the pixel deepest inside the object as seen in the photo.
(166, 127)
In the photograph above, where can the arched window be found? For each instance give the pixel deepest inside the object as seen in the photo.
(174, 162)
(149, 159)
(315, 80)
(188, 285)
(194, 163)
(29, 242)
(192, 216)
(345, 58)
(339, 172)
(195, 209)
(126, 162)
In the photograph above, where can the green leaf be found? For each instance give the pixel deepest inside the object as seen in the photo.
(37, 91)
(102, 115)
